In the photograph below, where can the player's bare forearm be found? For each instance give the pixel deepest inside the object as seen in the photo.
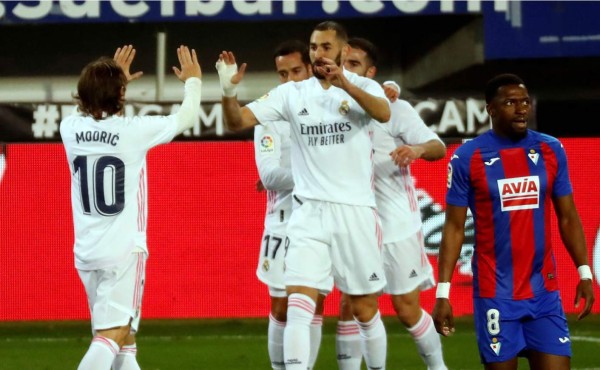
(236, 118)
(453, 235)
(433, 150)
(376, 107)
(571, 229)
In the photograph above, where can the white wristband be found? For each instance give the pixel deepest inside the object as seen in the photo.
(443, 290)
(226, 72)
(584, 272)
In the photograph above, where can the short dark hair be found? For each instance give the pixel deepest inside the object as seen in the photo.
(340, 31)
(292, 46)
(491, 88)
(367, 46)
(100, 88)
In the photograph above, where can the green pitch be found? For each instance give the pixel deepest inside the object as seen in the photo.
(241, 344)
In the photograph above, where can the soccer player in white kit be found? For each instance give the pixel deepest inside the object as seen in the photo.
(334, 229)
(272, 153)
(107, 156)
(397, 144)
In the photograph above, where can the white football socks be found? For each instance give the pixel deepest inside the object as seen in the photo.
(373, 342)
(126, 358)
(275, 343)
(347, 346)
(428, 342)
(296, 338)
(316, 327)
(100, 355)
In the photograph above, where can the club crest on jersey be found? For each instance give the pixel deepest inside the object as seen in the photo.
(519, 193)
(533, 156)
(266, 266)
(267, 144)
(344, 107)
(495, 346)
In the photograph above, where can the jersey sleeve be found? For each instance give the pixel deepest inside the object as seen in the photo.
(458, 182)
(562, 183)
(406, 124)
(151, 131)
(269, 107)
(370, 87)
(268, 144)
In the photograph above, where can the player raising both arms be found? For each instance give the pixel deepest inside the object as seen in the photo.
(107, 157)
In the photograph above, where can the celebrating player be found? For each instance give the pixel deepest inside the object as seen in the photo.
(335, 228)
(272, 153)
(510, 177)
(107, 157)
(397, 144)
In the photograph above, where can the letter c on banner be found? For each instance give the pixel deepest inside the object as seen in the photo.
(410, 6)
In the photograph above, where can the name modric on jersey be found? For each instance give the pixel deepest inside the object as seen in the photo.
(325, 133)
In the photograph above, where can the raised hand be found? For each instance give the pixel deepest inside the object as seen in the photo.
(229, 75)
(190, 67)
(124, 57)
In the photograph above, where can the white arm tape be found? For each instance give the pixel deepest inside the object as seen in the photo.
(226, 72)
(443, 290)
(584, 272)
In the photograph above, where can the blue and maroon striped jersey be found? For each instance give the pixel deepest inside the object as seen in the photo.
(509, 187)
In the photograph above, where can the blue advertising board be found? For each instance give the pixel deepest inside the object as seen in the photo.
(512, 28)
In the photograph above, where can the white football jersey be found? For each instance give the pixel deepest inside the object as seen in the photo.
(108, 183)
(2, 165)
(272, 154)
(332, 148)
(394, 186)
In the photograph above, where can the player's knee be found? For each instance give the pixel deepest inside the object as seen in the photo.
(279, 309)
(118, 335)
(364, 308)
(407, 309)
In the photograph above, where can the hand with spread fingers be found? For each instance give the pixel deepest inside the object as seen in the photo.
(124, 57)
(188, 60)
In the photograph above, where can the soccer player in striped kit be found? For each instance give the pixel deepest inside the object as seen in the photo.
(397, 144)
(334, 229)
(107, 157)
(272, 154)
(510, 178)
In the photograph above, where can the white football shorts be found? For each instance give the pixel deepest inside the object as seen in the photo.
(334, 240)
(271, 260)
(115, 294)
(406, 266)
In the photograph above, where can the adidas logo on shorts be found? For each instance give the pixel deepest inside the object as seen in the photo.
(374, 277)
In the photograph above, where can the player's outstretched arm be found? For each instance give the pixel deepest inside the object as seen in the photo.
(453, 235)
(236, 117)
(124, 57)
(189, 71)
(573, 237)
